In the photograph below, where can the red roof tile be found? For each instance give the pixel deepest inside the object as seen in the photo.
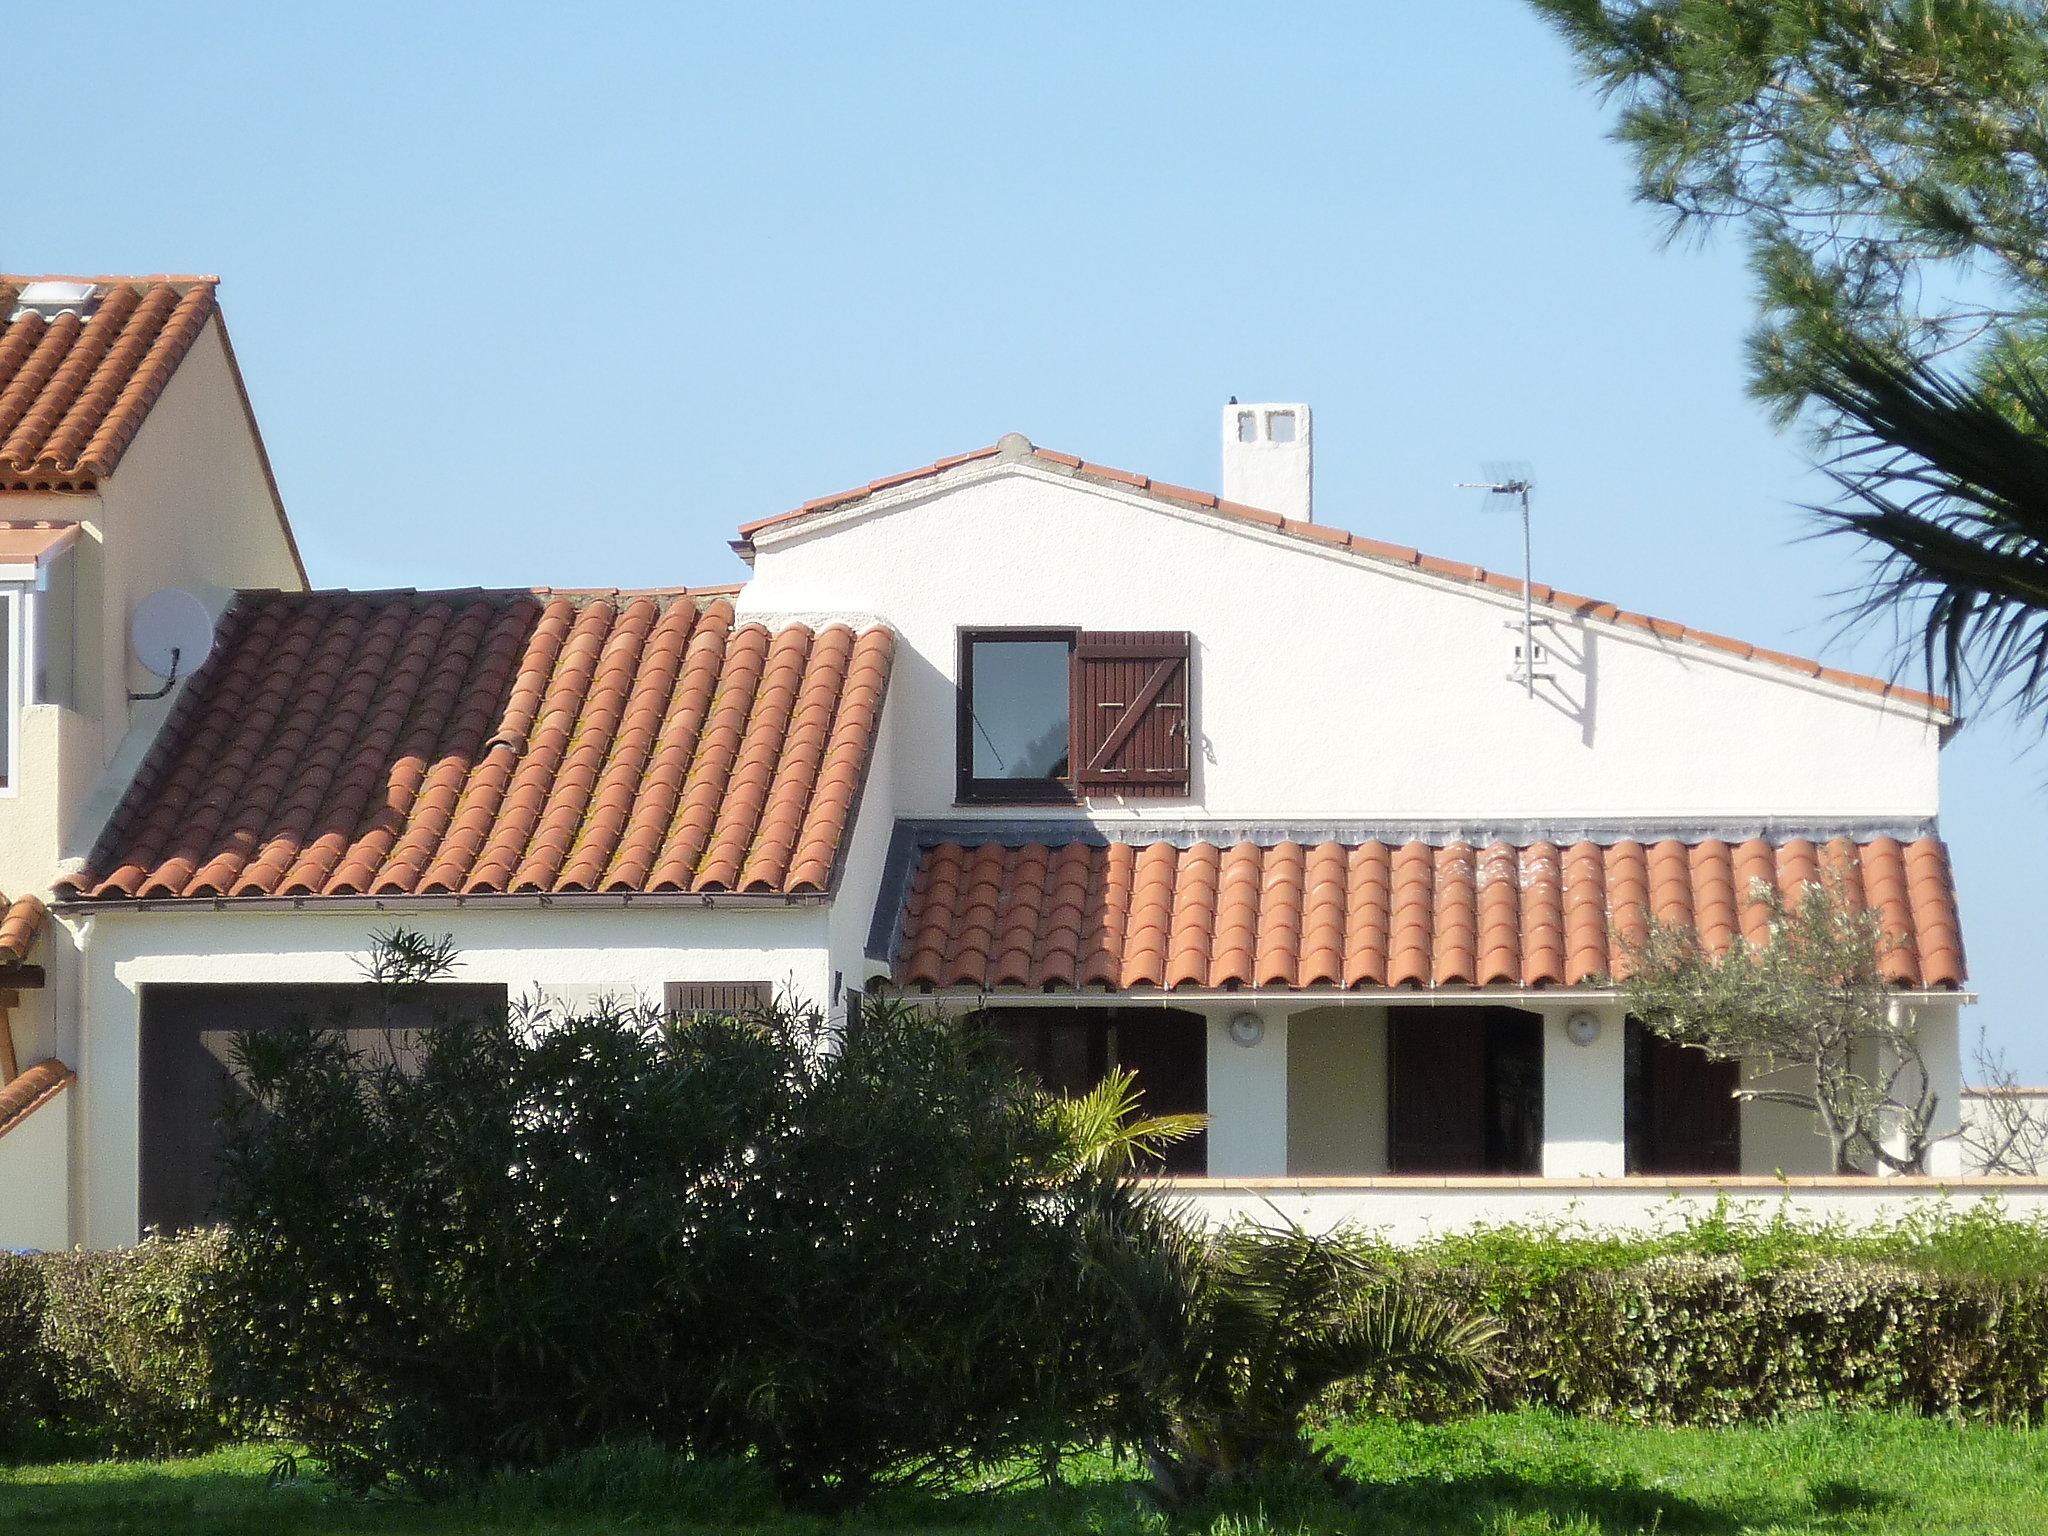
(1123, 916)
(32, 1088)
(74, 390)
(1358, 544)
(20, 922)
(350, 744)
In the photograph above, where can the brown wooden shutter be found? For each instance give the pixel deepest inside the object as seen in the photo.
(1131, 723)
(735, 997)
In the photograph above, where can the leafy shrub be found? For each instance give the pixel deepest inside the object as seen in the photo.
(1736, 1316)
(24, 1378)
(711, 1234)
(111, 1348)
(1690, 1340)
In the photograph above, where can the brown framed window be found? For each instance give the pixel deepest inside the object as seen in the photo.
(1048, 716)
(1014, 715)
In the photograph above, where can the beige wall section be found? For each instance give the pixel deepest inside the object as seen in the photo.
(1337, 1091)
(1781, 1138)
(35, 1177)
(190, 506)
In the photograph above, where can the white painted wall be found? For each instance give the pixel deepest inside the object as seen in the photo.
(1328, 686)
(1247, 1095)
(865, 852)
(568, 950)
(35, 1177)
(1583, 1098)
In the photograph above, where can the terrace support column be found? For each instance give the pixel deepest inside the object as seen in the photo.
(1583, 1094)
(1247, 1096)
(1939, 1027)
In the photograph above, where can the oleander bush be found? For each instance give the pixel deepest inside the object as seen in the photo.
(854, 1261)
(112, 1349)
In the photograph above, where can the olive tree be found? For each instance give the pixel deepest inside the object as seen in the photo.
(1812, 998)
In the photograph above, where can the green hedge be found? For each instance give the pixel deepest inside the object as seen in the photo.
(1684, 1339)
(1736, 1316)
(111, 1349)
(1719, 1321)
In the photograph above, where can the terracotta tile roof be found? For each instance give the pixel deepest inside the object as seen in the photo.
(31, 1090)
(74, 391)
(19, 925)
(1375, 549)
(1129, 916)
(346, 744)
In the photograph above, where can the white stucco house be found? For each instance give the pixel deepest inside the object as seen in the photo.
(1194, 783)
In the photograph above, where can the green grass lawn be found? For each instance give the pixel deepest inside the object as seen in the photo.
(1510, 1475)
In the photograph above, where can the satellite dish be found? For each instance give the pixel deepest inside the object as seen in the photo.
(172, 633)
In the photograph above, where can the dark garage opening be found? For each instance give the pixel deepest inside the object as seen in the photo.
(188, 1037)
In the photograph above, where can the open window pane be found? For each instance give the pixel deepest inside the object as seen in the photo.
(1017, 709)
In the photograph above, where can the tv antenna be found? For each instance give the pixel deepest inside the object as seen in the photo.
(1514, 480)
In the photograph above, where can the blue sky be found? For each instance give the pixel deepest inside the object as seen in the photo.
(560, 294)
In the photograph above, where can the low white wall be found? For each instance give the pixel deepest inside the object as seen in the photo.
(35, 1177)
(1410, 1209)
(567, 951)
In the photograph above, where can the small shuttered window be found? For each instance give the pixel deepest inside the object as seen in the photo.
(1051, 716)
(734, 997)
(1130, 729)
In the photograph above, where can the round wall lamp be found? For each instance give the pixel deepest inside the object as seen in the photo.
(1247, 1028)
(1582, 1028)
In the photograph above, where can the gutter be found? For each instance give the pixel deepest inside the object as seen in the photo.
(1300, 997)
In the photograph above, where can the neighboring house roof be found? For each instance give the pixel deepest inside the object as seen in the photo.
(1082, 913)
(500, 742)
(21, 922)
(26, 546)
(1017, 447)
(74, 391)
(34, 1087)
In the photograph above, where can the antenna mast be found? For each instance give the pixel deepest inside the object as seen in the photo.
(1519, 488)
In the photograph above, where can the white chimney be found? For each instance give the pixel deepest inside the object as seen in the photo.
(1268, 459)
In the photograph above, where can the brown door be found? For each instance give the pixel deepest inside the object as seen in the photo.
(1436, 1080)
(1168, 1048)
(1466, 1090)
(1681, 1113)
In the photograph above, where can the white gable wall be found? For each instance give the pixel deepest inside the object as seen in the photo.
(1328, 686)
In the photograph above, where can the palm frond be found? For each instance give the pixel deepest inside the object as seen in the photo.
(1949, 478)
(1106, 1129)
